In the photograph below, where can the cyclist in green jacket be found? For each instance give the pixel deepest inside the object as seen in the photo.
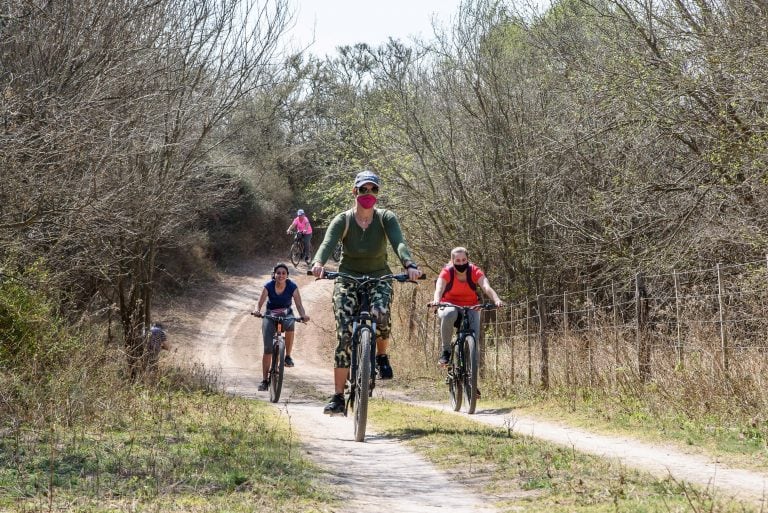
(364, 232)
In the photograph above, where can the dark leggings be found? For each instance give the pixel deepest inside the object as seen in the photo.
(307, 237)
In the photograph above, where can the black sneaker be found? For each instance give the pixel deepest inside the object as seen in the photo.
(288, 361)
(382, 363)
(444, 358)
(264, 386)
(335, 406)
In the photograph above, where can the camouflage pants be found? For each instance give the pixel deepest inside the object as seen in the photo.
(346, 299)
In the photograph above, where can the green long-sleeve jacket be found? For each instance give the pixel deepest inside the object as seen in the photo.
(364, 250)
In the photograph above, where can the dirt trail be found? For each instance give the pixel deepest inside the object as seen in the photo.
(395, 479)
(392, 477)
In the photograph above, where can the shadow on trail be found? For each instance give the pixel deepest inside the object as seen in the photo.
(494, 411)
(404, 434)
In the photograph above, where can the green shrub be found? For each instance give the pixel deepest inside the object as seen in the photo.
(32, 337)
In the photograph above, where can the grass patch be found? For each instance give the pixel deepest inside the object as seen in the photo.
(731, 439)
(171, 452)
(534, 476)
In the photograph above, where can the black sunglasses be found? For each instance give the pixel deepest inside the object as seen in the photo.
(366, 190)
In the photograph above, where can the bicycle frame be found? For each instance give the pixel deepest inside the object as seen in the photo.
(463, 366)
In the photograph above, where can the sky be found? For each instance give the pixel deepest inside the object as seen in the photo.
(346, 22)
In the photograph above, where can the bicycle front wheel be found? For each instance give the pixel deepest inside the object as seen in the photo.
(277, 370)
(362, 381)
(454, 378)
(470, 378)
(296, 251)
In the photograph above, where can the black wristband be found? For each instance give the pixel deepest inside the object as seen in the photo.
(411, 266)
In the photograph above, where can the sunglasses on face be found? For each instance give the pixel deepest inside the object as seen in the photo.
(368, 190)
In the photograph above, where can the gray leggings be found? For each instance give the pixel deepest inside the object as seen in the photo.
(448, 318)
(268, 328)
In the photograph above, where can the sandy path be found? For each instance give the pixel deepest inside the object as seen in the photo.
(395, 478)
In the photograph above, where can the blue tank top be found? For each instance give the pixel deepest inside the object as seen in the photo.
(277, 301)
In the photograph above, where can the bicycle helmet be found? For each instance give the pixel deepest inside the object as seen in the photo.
(300, 212)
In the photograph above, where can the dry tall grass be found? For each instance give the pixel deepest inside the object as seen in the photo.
(594, 358)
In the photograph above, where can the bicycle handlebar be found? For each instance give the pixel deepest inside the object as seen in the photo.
(277, 318)
(401, 277)
(479, 306)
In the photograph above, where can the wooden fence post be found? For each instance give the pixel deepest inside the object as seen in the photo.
(679, 348)
(481, 346)
(543, 342)
(512, 334)
(721, 305)
(567, 347)
(641, 310)
(616, 352)
(588, 305)
(496, 339)
(428, 358)
(528, 339)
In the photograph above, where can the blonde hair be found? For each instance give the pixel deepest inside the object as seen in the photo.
(459, 249)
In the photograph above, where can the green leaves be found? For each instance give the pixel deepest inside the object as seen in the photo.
(32, 336)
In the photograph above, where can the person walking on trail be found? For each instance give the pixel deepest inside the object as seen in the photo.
(301, 225)
(157, 340)
(364, 232)
(278, 293)
(457, 284)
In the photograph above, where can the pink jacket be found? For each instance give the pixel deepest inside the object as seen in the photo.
(302, 224)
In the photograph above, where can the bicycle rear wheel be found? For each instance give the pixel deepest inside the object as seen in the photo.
(296, 251)
(470, 377)
(277, 370)
(454, 379)
(362, 381)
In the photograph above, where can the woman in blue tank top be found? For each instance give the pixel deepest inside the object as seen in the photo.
(278, 293)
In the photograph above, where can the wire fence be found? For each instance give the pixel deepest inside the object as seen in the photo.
(711, 322)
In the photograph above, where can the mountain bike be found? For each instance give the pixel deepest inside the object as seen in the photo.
(463, 365)
(362, 370)
(297, 248)
(277, 367)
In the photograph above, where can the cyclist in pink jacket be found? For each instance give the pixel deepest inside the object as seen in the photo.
(302, 226)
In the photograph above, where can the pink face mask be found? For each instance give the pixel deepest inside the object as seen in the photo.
(366, 200)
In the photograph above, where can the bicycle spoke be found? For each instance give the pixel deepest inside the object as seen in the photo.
(455, 371)
(471, 365)
(362, 381)
(278, 369)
